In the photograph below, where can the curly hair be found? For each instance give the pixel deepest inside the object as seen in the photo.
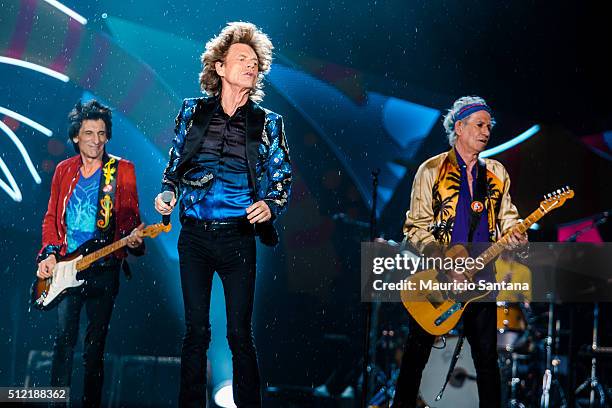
(216, 50)
(449, 118)
(91, 110)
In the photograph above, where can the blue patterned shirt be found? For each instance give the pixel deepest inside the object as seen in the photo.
(81, 211)
(223, 154)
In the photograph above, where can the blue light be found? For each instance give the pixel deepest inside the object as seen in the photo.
(364, 135)
(512, 142)
(407, 122)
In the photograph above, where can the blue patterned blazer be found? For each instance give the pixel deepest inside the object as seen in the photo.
(267, 156)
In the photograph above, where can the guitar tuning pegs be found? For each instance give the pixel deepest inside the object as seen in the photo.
(558, 191)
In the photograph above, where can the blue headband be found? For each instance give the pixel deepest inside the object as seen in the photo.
(467, 110)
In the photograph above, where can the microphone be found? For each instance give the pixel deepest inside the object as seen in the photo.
(167, 199)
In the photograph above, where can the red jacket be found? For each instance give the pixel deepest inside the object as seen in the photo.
(65, 178)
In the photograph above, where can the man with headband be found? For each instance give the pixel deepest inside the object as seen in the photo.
(459, 198)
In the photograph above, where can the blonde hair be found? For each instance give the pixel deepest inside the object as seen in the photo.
(216, 50)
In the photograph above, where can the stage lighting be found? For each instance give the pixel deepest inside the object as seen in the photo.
(34, 67)
(223, 394)
(73, 14)
(512, 142)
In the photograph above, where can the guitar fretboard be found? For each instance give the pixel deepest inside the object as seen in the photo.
(151, 231)
(494, 250)
(100, 253)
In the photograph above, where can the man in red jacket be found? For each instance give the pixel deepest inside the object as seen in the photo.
(93, 203)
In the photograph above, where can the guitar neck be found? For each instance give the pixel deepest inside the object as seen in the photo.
(100, 253)
(494, 250)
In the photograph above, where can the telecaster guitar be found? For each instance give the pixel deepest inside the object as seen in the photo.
(46, 293)
(438, 312)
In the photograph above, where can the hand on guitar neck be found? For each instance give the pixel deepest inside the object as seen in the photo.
(516, 239)
(135, 238)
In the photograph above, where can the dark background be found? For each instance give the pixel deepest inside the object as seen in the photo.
(535, 62)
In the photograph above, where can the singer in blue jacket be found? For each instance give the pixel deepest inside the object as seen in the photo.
(229, 171)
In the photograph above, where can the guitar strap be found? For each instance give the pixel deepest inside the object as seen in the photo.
(105, 220)
(480, 192)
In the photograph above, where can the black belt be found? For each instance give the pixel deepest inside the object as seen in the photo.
(216, 225)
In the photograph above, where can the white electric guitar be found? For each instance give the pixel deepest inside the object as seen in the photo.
(46, 293)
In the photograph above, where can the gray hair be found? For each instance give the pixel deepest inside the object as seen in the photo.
(449, 118)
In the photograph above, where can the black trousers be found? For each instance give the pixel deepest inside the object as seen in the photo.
(230, 251)
(479, 325)
(98, 300)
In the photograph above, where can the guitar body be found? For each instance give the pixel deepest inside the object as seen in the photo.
(47, 293)
(437, 311)
(425, 306)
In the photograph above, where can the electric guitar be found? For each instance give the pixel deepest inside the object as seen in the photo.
(46, 293)
(438, 311)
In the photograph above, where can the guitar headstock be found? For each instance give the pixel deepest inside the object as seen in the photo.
(556, 199)
(154, 230)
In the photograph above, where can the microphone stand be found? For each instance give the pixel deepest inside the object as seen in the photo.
(593, 382)
(365, 386)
